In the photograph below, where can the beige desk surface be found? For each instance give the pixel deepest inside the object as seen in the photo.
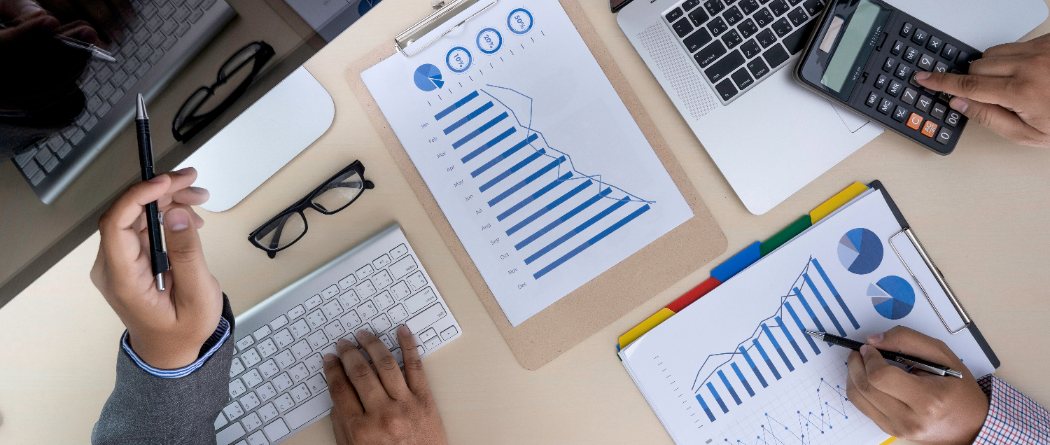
(982, 213)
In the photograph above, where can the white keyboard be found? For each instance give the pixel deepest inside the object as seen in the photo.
(277, 383)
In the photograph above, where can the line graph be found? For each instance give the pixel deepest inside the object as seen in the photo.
(827, 408)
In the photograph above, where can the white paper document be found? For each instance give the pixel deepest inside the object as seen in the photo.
(736, 367)
(529, 151)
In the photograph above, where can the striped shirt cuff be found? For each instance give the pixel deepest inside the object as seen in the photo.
(217, 339)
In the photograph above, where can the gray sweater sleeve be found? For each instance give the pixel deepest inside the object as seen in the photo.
(145, 409)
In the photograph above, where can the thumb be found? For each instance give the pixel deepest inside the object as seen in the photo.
(193, 286)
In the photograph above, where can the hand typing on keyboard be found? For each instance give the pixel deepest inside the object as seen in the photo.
(378, 403)
(166, 329)
(1008, 91)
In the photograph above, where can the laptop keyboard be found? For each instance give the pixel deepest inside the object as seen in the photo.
(739, 43)
(277, 382)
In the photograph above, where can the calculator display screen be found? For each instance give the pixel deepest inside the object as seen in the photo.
(854, 38)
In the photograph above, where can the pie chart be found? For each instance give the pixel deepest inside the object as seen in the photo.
(893, 297)
(860, 251)
(428, 78)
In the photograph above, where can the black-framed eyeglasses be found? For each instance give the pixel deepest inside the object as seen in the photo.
(193, 115)
(334, 195)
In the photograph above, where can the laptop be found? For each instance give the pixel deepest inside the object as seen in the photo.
(727, 67)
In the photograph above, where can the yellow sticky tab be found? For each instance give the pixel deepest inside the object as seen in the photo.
(645, 326)
(839, 200)
(889, 441)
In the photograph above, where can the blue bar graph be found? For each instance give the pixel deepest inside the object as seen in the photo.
(575, 231)
(801, 327)
(754, 368)
(725, 381)
(473, 114)
(809, 310)
(512, 170)
(496, 140)
(455, 106)
(769, 363)
(824, 304)
(776, 345)
(547, 208)
(835, 293)
(496, 160)
(562, 219)
(718, 398)
(707, 409)
(791, 339)
(470, 136)
(743, 381)
(594, 240)
(528, 180)
(538, 194)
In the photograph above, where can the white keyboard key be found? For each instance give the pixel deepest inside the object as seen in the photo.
(284, 402)
(317, 384)
(399, 251)
(252, 378)
(268, 412)
(285, 359)
(332, 309)
(296, 312)
(245, 342)
(402, 267)
(426, 318)
(381, 262)
(349, 299)
(282, 382)
(432, 343)
(250, 401)
(334, 330)
(301, 349)
(298, 372)
(228, 435)
(381, 323)
(300, 328)
(233, 411)
(268, 369)
(275, 431)
(384, 300)
(347, 282)
(449, 333)
(279, 322)
(351, 321)
(382, 279)
(300, 393)
(313, 302)
(314, 363)
(398, 313)
(330, 292)
(364, 271)
(251, 357)
(316, 319)
(317, 340)
(237, 388)
(257, 438)
(236, 367)
(266, 348)
(267, 391)
(283, 338)
(420, 300)
(426, 335)
(261, 333)
(365, 289)
(251, 422)
(416, 280)
(400, 290)
(386, 341)
(308, 411)
(220, 421)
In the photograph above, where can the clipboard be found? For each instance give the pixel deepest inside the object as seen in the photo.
(577, 316)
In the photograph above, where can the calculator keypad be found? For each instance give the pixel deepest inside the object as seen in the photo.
(890, 91)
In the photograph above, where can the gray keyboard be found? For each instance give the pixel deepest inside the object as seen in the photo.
(163, 37)
(277, 384)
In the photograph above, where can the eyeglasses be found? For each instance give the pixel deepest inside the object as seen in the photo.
(334, 195)
(193, 116)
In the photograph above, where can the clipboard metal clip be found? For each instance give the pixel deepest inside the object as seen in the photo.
(419, 35)
(964, 317)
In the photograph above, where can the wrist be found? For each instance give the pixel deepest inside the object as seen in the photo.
(164, 354)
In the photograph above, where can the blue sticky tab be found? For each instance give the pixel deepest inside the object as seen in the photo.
(738, 262)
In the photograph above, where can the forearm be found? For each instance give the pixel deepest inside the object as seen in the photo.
(1012, 416)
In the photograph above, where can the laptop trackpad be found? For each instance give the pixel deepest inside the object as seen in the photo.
(262, 140)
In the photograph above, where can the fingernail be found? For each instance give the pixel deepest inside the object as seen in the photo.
(177, 220)
(923, 75)
(404, 330)
(959, 104)
(330, 359)
(875, 339)
(182, 171)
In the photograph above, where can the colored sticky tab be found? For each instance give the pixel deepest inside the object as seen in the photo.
(694, 294)
(645, 326)
(738, 262)
(889, 441)
(839, 200)
(786, 235)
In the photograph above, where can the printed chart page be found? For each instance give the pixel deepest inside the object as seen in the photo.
(530, 153)
(736, 367)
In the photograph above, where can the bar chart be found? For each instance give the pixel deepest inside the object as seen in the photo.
(777, 346)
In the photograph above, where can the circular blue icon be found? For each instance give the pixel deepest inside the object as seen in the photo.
(893, 297)
(520, 21)
(459, 59)
(490, 41)
(428, 78)
(366, 5)
(860, 251)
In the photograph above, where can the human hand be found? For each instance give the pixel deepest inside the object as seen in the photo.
(1008, 91)
(166, 329)
(381, 405)
(916, 406)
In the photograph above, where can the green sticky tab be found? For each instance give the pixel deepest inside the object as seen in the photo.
(786, 235)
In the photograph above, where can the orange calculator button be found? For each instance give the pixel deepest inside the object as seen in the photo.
(930, 129)
(915, 121)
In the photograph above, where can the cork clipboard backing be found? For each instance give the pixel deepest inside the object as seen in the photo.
(612, 294)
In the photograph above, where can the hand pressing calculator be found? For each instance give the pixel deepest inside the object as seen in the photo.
(865, 54)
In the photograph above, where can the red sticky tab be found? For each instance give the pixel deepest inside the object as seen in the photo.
(694, 294)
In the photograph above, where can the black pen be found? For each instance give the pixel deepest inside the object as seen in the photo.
(904, 359)
(157, 253)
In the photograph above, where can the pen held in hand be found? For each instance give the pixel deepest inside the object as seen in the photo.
(158, 252)
(904, 359)
(94, 51)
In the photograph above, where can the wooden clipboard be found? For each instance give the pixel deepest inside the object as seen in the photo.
(612, 294)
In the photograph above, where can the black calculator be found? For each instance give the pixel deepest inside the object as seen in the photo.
(865, 54)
